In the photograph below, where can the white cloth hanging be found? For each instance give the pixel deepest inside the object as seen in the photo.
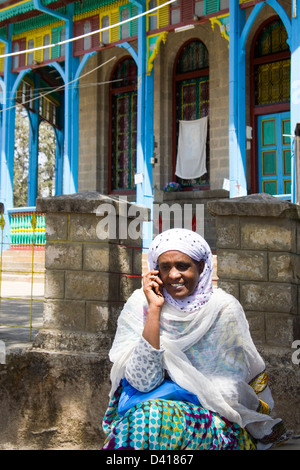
(191, 153)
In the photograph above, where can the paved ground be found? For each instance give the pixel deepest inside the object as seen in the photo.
(293, 444)
(17, 309)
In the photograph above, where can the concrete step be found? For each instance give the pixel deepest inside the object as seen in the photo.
(22, 260)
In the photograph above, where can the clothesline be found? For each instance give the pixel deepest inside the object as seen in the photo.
(106, 28)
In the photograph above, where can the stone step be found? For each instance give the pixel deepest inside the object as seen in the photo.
(21, 260)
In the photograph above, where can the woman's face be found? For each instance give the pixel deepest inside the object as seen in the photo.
(179, 273)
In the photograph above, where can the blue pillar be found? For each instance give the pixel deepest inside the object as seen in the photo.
(295, 84)
(7, 137)
(71, 115)
(70, 160)
(145, 105)
(149, 148)
(237, 104)
(33, 149)
(33, 158)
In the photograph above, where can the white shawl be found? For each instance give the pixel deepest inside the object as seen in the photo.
(209, 352)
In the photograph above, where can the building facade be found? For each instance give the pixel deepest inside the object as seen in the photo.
(124, 82)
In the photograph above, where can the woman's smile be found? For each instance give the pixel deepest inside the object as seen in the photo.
(177, 286)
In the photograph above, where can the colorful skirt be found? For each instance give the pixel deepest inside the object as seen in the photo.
(171, 425)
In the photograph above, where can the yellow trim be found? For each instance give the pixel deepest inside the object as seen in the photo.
(38, 35)
(150, 15)
(2, 52)
(37, 31)
(88, 14)
(160, 37)
(13, 6)
(100, 11)
(216, 21)
(101, 16)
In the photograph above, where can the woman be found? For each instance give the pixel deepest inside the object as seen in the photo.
(186, 374)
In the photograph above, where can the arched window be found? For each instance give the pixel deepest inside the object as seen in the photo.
(125, 28)
(123, 109)
(191, 100)
(105, 34)
(87, 41)
(30, 55)
(47, 50)
(152, 18)
(15, 60)
(270, 109)
(271, 65)
(62, 38)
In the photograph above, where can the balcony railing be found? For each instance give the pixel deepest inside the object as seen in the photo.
(27, 228)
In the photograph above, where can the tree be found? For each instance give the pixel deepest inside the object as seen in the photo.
(46, 159)
(21, 158)
(46, 172)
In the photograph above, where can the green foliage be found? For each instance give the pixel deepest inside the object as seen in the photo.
(46, 159)
(21, 158)
(46, 171)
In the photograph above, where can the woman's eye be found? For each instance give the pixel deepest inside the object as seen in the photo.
(164, 269)
(182, 267)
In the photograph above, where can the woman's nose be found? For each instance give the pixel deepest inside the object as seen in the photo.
(174, 273)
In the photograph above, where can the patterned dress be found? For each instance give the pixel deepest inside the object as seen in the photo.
(159, 424)
(171, 425)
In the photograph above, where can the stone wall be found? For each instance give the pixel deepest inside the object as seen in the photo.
(88, 279)
(258, 248)
(54, 394)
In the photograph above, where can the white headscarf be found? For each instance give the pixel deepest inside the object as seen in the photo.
(193, 245)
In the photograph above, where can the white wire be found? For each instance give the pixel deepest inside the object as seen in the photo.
(60, 87)
(88, 34)
(83, 85)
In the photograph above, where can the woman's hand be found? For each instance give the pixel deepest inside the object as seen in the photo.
(152, 286)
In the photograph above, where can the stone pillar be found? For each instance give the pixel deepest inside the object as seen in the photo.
(258, 248)
(88, 278)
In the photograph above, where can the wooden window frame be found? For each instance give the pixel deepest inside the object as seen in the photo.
(78, 45)
(22, 57)
(177, 77)
(257, 110)
(112, 92)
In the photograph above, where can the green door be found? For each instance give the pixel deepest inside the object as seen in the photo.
(274, 154)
